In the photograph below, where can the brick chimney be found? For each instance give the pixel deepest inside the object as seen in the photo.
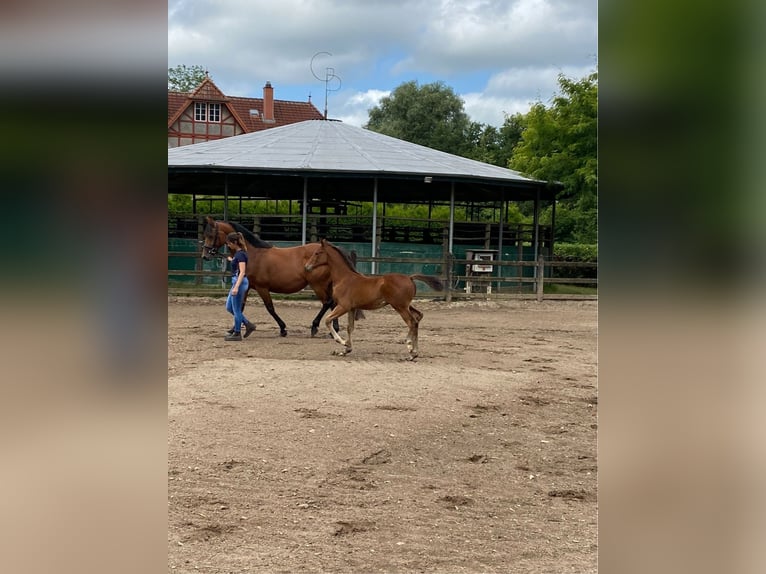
(268, 103)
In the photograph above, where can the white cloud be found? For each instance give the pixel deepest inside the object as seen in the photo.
(354, 108)
(464, 36)
(492, 109)
(499, 55)
(515, 90)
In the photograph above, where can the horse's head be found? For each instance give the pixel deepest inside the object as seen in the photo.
(213, 239)
(319, 257)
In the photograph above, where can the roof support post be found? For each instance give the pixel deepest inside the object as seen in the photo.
(226, 198)
(536, 245)
(304, 219)
(373, 264)
(451, 215)
(537, 224)
(553, 222)
(500, 238)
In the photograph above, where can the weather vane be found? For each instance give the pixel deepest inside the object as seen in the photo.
(328, 77)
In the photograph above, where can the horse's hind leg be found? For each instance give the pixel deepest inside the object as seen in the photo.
(266, 296)
(412, 345)
(412, 317)
(349, 330)
(412, 335)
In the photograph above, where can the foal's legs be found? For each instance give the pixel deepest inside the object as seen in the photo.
(349, 330)
(412, 346)
(334, 314)
(412, 317)
(315, 323)
(329, 304)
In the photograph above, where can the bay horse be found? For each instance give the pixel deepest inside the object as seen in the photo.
(273, 269)
(353, 291)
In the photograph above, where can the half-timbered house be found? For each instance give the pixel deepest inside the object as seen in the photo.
(208, 114)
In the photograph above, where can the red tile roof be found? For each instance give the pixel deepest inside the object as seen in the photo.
(285, 112)
(176, 101)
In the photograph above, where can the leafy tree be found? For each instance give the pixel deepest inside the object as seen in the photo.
(431, 115)
(184, 78)
(485, 144)
(560, 144)
(492, 145)
(179, 203)
(510, 135)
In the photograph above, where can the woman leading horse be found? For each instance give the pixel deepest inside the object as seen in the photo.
(273, 269)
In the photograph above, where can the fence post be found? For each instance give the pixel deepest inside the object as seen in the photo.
(449, 261)
(540, 276)
(520, 257)
(313, 232)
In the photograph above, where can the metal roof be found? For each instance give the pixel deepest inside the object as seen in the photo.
(340, 160)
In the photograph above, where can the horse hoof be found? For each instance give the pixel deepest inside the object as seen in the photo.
(314, 331)
(283, 333)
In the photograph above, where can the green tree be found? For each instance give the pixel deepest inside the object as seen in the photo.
(184, 78)
(510, 135)
(485, 144)
(495, 145)
(431, 115)
(559, 143)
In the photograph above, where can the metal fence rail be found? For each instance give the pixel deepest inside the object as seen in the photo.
(509, 279)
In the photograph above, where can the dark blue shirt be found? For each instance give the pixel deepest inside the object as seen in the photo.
(240, 255)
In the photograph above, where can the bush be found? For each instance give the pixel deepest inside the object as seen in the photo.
(587, 252)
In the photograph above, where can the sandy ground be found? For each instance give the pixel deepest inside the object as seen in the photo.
(480, 456)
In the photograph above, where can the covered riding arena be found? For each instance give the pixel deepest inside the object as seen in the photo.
(340, 181)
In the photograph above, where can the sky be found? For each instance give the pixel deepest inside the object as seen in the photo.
(498, 56)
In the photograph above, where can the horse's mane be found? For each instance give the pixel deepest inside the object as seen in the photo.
(345, 254)
(249, 236)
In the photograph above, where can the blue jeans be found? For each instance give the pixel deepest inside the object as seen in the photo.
(234, 304)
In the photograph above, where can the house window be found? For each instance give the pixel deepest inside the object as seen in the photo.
(199, 112)
(214, 112)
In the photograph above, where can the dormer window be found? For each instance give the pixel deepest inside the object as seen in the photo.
(214, 112)
(207, 112)
(200, 112)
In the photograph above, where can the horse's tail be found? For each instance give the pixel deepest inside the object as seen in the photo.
(433, 282)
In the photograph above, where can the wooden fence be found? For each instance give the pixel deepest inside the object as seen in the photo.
(350, 228)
